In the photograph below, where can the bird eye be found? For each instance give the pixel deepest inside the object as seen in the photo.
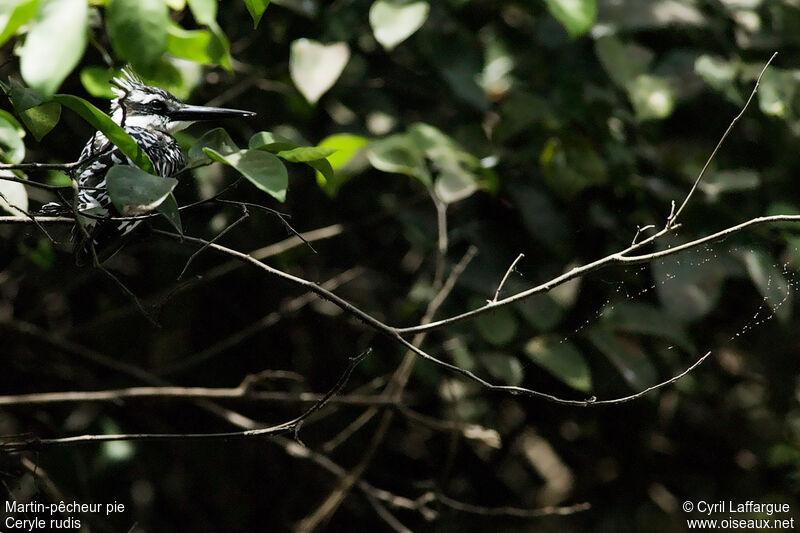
(159, 106)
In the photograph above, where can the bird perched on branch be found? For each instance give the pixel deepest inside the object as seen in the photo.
(150, 116)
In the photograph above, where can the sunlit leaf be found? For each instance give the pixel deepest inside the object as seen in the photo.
(194, 45)
(256, 9)
(271, 142)
(504, 367)
(392, 22)
(262, 169)
(653, 98)
(347, 146)
(41, 119)
(138, 31)
(13, 14)
(54, 44)
(315, 67)
(304, 154)
(11, 145)
(454, 184)
(204, 11)
(323, 168)
(577, 16)
(562, 359)
(134, 191)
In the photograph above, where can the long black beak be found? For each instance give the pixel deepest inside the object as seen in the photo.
(191, 113)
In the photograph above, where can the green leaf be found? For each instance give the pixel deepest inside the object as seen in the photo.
(169, 208)
(138, 31)
(627, 357)
(216, 139)
(219, 48)
(97, 81)
(562, 359)
(13, 15)
(23, 97)
(577, 16)
(504, 367)
(399, 154)
(256, 9)
(392, 23)
(11, 145)
(770, 282)
(55, 43)
(134, 192)
(190, 44)
(315, 67)
(111, 130)
(347, 146)
(498, 327)
(323, 168)
(13, 194)
(41, 119)
(454, 184)
(304, 154)
(204, 11)
(271, 142)
(262, 169)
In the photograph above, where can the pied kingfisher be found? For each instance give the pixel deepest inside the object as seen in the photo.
(150, 116)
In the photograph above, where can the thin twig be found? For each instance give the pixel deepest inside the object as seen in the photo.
(674, 217)
(505, 277)
(281, 216)
(506, 511)
(245, 215)
(40, 167)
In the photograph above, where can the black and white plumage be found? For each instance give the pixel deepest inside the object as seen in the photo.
(150, 115)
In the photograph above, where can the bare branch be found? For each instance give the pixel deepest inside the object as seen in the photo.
(505, 277)
(41, 167)
(39, 219)
(36, 443)
(186, 393)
